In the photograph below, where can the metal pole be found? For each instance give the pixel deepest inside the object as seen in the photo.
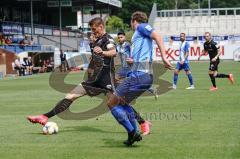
(176, 4)
(60, 22)
(209, 7)
(82, 18)
(199, 4)
(31, 5)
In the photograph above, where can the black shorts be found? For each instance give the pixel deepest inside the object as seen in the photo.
(214, 65)
(101, 85)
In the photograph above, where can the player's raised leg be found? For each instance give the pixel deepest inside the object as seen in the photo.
(61, 106)
(229, 76)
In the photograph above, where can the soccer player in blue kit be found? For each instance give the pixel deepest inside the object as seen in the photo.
(183, 62)
(124, 53)
(140, 78)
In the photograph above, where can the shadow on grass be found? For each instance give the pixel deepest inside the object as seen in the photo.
(85, 129)
(112, 143)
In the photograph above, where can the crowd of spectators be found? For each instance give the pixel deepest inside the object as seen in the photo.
(8, 40)
(26, 66)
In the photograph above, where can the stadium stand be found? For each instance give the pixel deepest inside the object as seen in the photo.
(218, 21)
(48, 37)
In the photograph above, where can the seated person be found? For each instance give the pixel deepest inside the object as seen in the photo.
(25, 41)
(19, 67)
(28, 65)
(49, 66)
(43, 66)
(8, 41)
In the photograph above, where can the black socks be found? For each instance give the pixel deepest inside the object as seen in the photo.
(222, 76)
(138, 117)
(212, 80)
(60, 107)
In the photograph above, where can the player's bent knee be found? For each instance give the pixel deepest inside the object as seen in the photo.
(71, 96)
(76, 93)
(176, 71)
(210, 72)
(215, 73)
(113, 100)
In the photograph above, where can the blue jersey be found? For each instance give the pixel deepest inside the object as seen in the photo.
(124, 52)
(142, 48)
(184, 48)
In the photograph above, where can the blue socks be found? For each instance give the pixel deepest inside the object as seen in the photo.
(190, 78)
(175, 78)
(131, 116)
(122, 117)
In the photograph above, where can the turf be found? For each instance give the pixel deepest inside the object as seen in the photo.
(187, 124)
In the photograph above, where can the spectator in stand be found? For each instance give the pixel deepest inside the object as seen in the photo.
(8, 41)
(19, 67)
(2, 40)
(25, 41)
(32, 41)
(63, 61)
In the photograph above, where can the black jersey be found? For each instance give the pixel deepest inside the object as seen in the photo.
(212, 49)
(100, 69)
(99, 63)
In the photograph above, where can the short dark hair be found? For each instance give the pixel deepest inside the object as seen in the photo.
(208, 33)
(121, 33)
(140, 17)
(96, 21)
(183, 34)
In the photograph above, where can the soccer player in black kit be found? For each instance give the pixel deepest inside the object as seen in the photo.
(214, 52)
(100, 73)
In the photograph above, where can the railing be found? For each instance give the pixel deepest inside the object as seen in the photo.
(15, 28)
(57, 43)
(198, 12)
(36, 48)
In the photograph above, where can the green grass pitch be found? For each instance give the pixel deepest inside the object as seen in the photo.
(207, 126)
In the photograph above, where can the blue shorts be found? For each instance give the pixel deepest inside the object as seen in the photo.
(123, 72)
(184, 66)
(134, 85)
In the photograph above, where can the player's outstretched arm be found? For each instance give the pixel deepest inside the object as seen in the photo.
(158, 39)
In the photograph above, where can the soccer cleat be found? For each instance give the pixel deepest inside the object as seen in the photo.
(41, 119)
(174, 86)
(145, 127)
(133, 138)
(191, 87)
(213, 88)
(230, 78)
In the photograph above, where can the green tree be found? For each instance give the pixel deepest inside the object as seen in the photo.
(114, 24)
(130, 6)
